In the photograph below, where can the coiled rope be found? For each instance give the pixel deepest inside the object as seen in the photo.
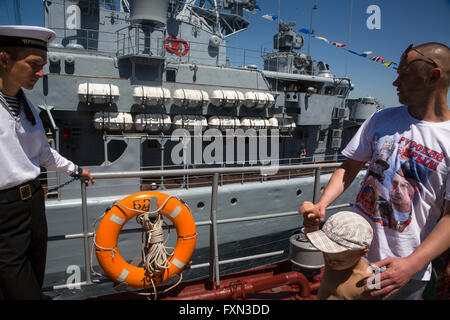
(154, 254)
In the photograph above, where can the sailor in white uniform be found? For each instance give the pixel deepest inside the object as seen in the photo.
(23, 149)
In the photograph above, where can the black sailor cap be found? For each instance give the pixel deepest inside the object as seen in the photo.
(25, 36)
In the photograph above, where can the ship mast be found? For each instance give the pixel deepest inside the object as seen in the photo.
(349, 36)
(17, 12)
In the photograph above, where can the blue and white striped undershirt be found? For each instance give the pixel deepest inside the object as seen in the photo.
(13, 104)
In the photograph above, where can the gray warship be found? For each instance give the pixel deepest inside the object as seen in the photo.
(123, 76)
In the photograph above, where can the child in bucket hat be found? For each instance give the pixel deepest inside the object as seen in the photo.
(344, 240)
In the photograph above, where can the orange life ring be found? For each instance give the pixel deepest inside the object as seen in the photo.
(173, 45)
(108, 233)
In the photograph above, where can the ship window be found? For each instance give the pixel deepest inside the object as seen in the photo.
(340, 91)
(171, 75)
(329, 90)
(201, 205)
(322, 135)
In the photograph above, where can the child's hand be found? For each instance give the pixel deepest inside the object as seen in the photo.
(311, 216)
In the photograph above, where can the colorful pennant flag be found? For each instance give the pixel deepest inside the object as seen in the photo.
(364, 54)
(377, 59)
(271, 17)
(254, 11)
(304, 30)
(337, 44)
(389, 63)
(323, 39)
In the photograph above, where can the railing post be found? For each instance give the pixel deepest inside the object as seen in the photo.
(213, 248)
(316, 185)
(87, 261)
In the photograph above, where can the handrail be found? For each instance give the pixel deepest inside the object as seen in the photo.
(214, 263)
(199, 171)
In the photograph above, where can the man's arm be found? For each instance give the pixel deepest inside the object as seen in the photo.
(400, 270)
(341, 179)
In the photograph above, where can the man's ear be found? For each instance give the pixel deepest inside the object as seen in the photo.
(4, 58)
(435, 75)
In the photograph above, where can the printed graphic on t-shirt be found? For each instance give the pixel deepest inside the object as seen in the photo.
(395, 178)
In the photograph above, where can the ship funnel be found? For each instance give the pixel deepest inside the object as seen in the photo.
(152, 12)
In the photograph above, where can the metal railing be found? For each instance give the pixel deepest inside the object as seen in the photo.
(214, 272)
(52, 179)
(132, 41)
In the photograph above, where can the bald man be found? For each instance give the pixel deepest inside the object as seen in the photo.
(419, 132)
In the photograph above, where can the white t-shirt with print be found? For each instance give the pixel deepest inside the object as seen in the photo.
(406, 183)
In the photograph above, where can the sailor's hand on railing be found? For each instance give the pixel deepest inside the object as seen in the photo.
(86, 173)
(312, 216)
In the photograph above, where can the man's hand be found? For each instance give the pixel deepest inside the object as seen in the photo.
(87, 174)
(312, 216)
(398, 272)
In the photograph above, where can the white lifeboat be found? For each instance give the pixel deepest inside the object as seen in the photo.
(223, 122)
(273, 123)
(258, 100)
(98, 93)
(282, 124)
(190, 98)
(113, 121)
(152, 122)
(227, 98)
(151, 96)
(190, 122)
(255, 123)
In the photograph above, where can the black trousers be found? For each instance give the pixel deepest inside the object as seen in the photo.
(23, 248)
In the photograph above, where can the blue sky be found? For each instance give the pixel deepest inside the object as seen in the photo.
(402, 22)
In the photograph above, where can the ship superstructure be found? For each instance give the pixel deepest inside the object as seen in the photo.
(143, 69)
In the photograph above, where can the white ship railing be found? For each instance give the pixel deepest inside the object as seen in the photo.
(214, 262)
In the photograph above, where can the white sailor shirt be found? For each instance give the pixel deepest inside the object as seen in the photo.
(24, 148)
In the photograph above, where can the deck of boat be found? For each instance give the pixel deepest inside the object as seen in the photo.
(275, 282)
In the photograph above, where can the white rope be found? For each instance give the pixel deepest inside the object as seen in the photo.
(154, 254)
(155, 292)
(97, 246)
